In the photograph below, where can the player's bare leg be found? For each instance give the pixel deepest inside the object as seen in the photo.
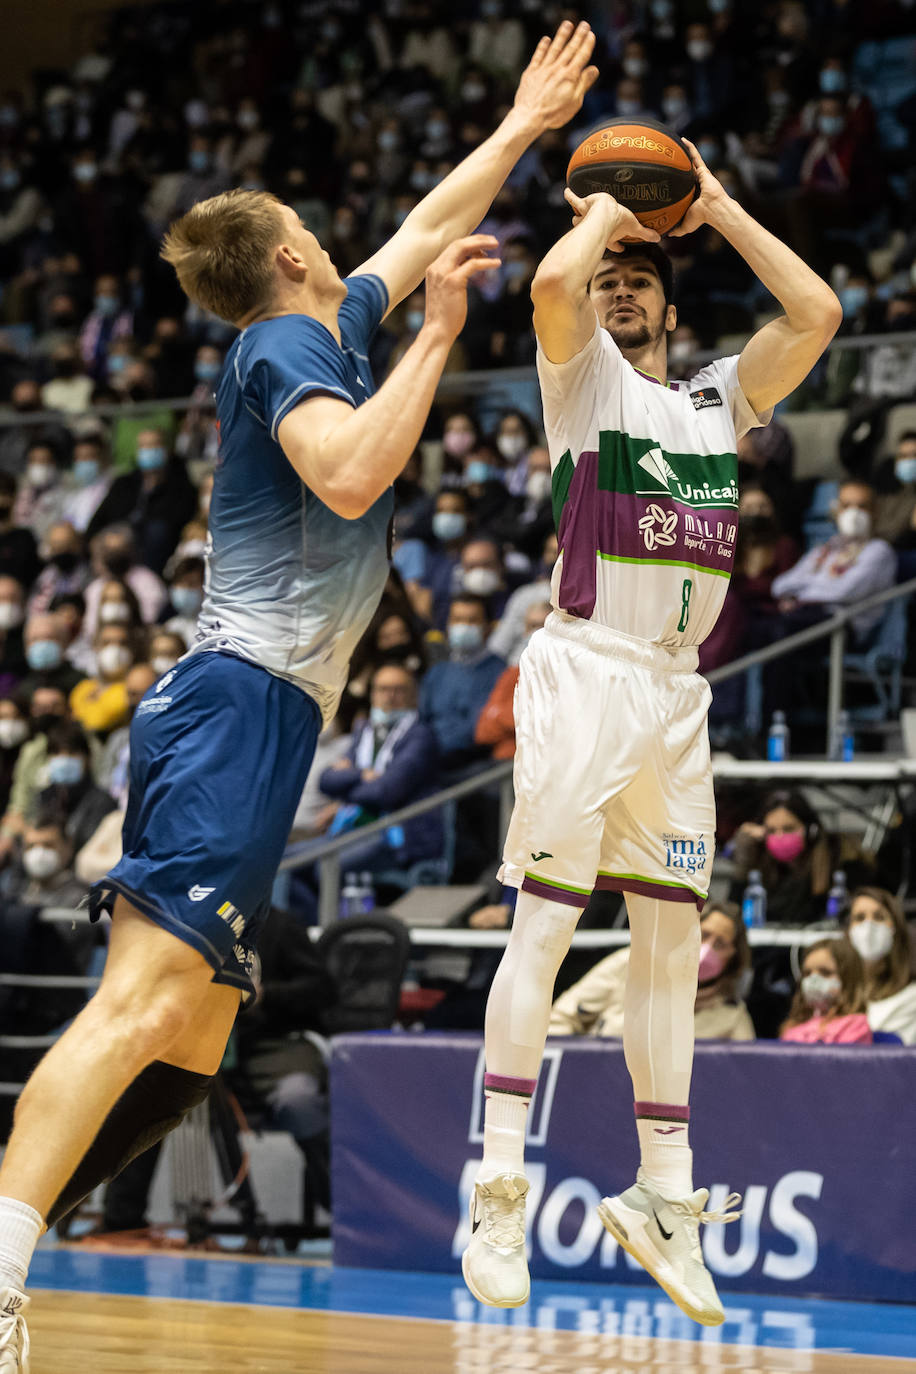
(156, 1013)
(657, 1220)
(495, 1266)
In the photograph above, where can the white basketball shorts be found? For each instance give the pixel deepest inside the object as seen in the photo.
(613, 781)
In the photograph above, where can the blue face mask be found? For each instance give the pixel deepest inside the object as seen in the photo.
(449, 524)
(198, 160)
(832, 80)
(9, 179)
(207, 372)
(116, 364)
(516, 270)
(477, 472)
(107, 306)
(414, 321)
(709, 151)
(44, 654)
(85, 172)
(379, 716)
(65, 770)
(905, 470)
(85, 471)
(151, 459)
(465, 639)
(852, 299)
(186, 600)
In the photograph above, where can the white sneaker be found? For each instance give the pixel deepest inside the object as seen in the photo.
(14, 1336)
(495, 1265)
(664, 1236)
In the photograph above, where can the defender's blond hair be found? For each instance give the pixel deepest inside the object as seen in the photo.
(222, 251)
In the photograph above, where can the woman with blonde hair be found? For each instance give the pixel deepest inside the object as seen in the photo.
(829, 1003)
(877, 930)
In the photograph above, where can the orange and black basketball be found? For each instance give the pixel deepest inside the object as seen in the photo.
(641, 164)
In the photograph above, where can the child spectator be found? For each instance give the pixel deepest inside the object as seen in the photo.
(829, 1005)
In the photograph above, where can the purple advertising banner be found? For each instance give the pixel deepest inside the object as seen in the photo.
(820, 1142)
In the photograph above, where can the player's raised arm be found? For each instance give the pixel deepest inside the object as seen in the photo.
(564, 317)
(350, 457)
(550, 93)
(781, 354)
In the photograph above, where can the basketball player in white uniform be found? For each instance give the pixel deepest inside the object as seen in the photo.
(612, 774)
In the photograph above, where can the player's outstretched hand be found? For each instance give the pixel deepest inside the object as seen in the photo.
(553, 85)
(623, 225)
(712, 194)
(447, 281)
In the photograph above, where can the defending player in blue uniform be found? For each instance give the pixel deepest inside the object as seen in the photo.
(221, 745)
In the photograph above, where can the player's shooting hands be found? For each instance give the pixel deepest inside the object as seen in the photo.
(553, 85)
(447, 283)
(622, 224)
(712, 197)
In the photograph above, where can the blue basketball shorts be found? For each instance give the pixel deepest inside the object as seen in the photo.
(219, 753)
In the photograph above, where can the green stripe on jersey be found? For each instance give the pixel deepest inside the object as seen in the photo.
(559, 485)
(664, 563)
(564, 887)
(691, 478)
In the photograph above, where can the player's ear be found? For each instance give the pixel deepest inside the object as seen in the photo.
(291, 263)
(671, 318)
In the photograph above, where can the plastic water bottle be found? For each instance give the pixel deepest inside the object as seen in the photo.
(844, 741)
(778, 739)
(350, 895)
(837, 897)
(754, 901)
(366, 901)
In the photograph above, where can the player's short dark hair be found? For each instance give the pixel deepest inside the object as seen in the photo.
(652, 253)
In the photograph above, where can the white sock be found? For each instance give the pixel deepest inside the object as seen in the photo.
(665, 1154)
(505, 1120)
(20, 1227)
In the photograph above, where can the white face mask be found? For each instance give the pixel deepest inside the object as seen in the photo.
(511, 446)
(114, 613)
(114, 659)
(40, 474)
(872, 940)
(12, 732)
(162, 664)
(820, 991)
(853, 522)
(10, 615)
(537, 487)
(41, 861)
(480, 581)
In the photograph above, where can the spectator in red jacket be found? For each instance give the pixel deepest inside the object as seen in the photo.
(495, 727)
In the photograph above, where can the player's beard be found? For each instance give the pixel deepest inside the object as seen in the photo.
(633, 333)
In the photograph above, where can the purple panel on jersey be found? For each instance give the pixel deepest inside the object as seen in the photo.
(578, 540)
(640, 529)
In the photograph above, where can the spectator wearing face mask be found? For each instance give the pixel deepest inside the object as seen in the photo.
(100, 703)
(186, 596)
(157, 499)
(515, 438)
(12, 652)
(877, 930)
(527, 520)
(495, 728)
(47, 707)
(45, 642)
(70, 788)
(480, 572)
(91, 478)
(45, 874)
(166, 647)
(114, 556)
(594, 1006)
(114, 764)
(428, 566)
(14, 731)
(108, 320)
(895, 506)
(829, 1003)
(454, 693)
(40, 499)
(852, 564)
(460, 435)
(392, 761)
(197, 441)
(510, 635)
(70, 389)
(66, 570)
(18, 549)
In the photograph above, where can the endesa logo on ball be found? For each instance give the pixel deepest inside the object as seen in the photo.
(638, 142)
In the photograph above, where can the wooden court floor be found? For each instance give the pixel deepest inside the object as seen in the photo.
(102, 1334)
